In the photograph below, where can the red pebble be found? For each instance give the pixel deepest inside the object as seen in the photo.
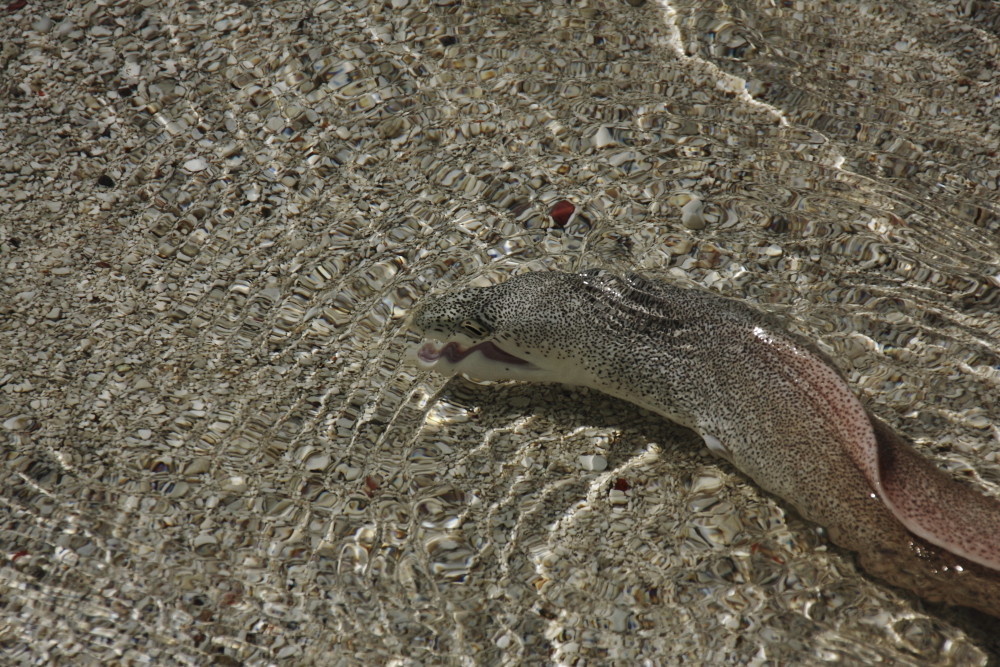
(371, 485)
(16, 5)
(621, 484)
(561, 212)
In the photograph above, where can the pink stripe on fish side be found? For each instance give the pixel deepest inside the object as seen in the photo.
(928, 502)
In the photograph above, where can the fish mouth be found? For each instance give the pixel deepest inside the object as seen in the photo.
(433, 351)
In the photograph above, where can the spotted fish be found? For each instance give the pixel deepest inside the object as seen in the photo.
(759, 396)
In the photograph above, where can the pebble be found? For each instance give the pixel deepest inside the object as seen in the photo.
(603, 138)
(562, 212)
(196, 164)
(18, 423)
(317, 461)
(42, 25)
(692, 214)
(773, 250)
(593, 462)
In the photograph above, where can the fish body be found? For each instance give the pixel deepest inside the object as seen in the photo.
(761, 397)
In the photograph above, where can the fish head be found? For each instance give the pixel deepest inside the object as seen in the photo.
(526, 328)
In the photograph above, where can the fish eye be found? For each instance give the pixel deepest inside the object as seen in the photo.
(474, 328)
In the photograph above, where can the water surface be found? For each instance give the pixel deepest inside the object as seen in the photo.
(217, 217)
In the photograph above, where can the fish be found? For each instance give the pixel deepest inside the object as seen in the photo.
(761, 397)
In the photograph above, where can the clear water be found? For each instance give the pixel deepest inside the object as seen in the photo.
(215, 450)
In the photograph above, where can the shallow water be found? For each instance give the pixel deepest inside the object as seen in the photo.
(216, 218)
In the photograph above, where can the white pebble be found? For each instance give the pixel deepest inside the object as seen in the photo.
(603, 138)
(619, 620)
(196, 164)
(235, 483)
(593, 462)
(18, 423)
(44, 24)
(691, 214)
(317, 462)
